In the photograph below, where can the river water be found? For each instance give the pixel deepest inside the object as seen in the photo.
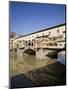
(26, 63)
(47, 71)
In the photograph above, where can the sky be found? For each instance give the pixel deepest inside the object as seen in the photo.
(26, 18)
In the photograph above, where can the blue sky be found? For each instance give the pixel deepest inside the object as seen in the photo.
(30, 17)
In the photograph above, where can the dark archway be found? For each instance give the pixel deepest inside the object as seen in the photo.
(30, 51)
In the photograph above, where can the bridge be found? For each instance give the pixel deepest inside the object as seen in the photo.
(41, 42)
(40, 47)
(39, 52)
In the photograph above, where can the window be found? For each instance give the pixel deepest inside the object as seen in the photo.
(60, 44)
(58, 31)
(37, 35)
(29, 44)
(26, 41)
(55, 44)
(29, 40)
(49, 33)
(42, 34)
(54, 38)
(32, 43)
(64, 31)
(20, 41)
(11, 43)
(47, 44)
(50, 44)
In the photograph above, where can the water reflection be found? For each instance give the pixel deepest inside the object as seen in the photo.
(41, 71)
(25, 63)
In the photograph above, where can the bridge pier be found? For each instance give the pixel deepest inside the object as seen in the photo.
(41, 53)
(61, 57)
(19, 52)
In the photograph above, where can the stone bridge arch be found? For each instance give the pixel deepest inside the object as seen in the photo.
(29, 50)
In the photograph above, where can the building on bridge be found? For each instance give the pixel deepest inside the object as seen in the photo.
(13, 36)
(53, 37)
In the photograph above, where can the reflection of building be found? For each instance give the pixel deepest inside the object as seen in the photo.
(53, 37)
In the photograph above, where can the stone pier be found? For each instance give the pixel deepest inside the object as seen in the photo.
(61, 57)
(41, 53)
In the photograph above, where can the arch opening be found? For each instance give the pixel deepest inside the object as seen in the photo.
(30, 52)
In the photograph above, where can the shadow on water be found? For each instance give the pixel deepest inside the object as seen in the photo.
(51, 75)
(21, 81)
